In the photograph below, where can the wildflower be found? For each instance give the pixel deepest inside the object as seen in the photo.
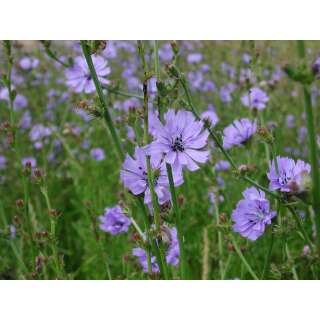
(246, 75)
(20, 101)
(27, 63)
(306, 250)
(180, 139)
(3, 162)
(25, 120)
(290, 121)
(246, 58)
(79, 77)
(97, 154)
(226, 91)
(141, 254)
(316, 67)
(256, 99)
(194, 57)
(12, 231)
(210, 116)
(165, 52)
(30, 161)
(134, 176)
(238, 133)
(252, 214)
(38, 133)
(222, 165)
(173, 252)
(289, 176)
(114, 221)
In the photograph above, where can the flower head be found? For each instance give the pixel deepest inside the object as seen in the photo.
(3, 162)
(79, 77)
(97, 154)
(180, 139)
(29, 161)
(252, 214)
(134, 176)
(141, 254)
(210, 116)
(239, 132)
(114, 221)
(256, 99)
(222, 165)
(288, 175)
(173, 252)
(28, 63)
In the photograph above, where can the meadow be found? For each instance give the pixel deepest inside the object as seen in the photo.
(159, 160)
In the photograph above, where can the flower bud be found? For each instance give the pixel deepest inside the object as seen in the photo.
(173, 71)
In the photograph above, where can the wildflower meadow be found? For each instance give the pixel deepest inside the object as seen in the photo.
(171, 160)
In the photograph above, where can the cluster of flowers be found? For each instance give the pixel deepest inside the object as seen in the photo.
(179, 141)
(253, 212)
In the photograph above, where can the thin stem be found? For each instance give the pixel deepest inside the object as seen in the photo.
(138, 229)
(154, 199)
(53, 55)
(205, 254)
(215, 137)
(293, 269)
(220, 247)
(53, 239)
(183, 269)
(158, 75)
(122, 93)
(267, 261)
(107, 116)
(153, 242)
(243, 259)
(300, 226)
(313, 155)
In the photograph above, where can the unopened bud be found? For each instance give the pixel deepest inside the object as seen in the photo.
(265, 135)
(173, 71)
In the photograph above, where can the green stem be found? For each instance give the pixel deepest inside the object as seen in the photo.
(183, 266)
(106, 114)
(302, 229)
(215, 137)
(267, 261)
(122, 93)
(53, 55)
(313, 154)
(243, 259)
(220, 247)
(153, 242)
(53, 239)
(293, 269)
(158, 75)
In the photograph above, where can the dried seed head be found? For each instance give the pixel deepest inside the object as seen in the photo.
(54, 213)
(247, 168)
(265, 134)
(20, 203)
(181, 199)
(174, 47)
(135, 237)
(230, 247)
(223, 217)
(16, 220)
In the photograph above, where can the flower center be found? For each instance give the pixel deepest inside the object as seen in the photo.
(178, 144)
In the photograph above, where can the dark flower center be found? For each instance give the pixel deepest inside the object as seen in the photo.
(88, 76)
(118, 224)
(178, 144)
